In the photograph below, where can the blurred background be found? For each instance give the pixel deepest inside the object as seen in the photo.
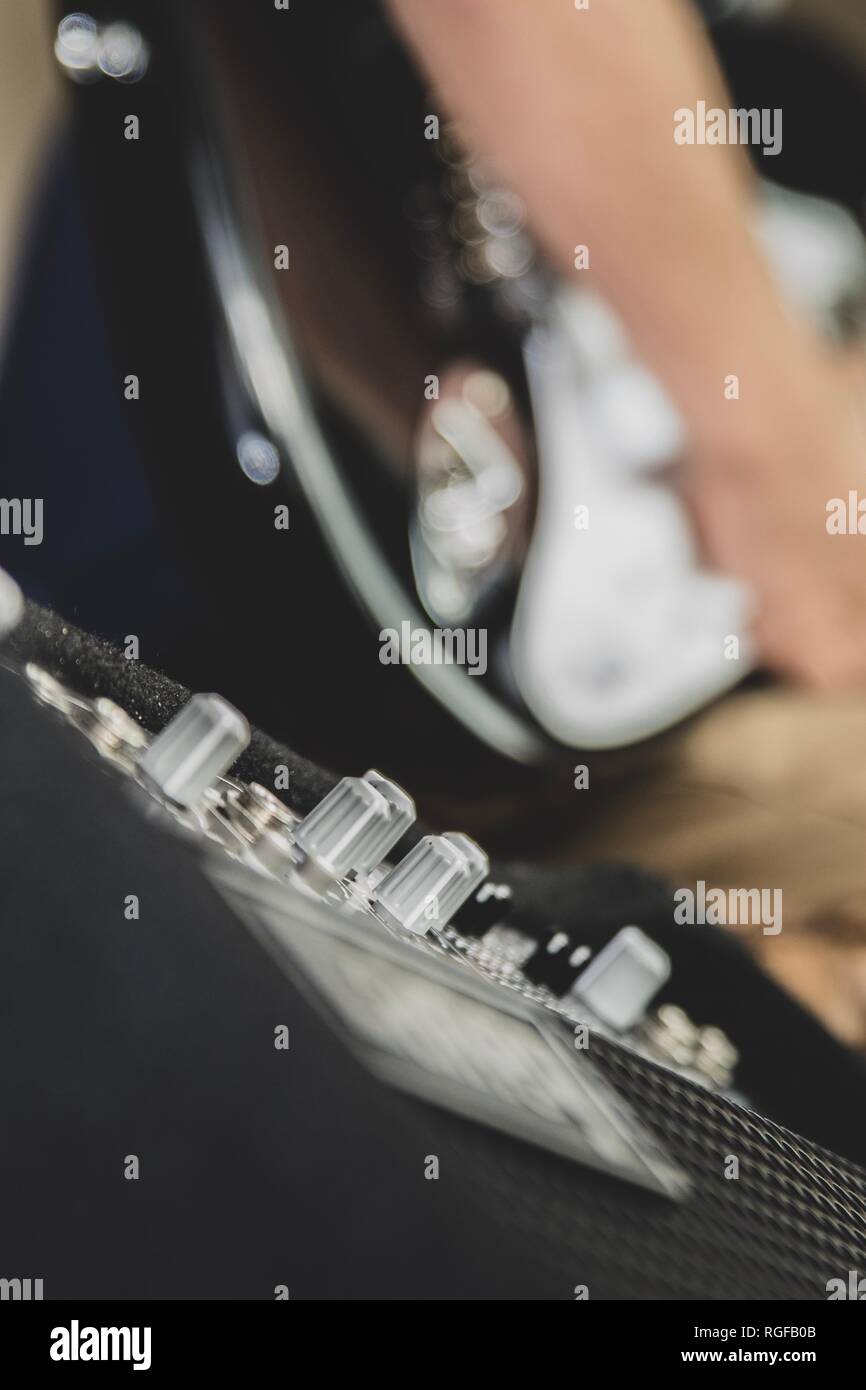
(156, 538)
(114, 566)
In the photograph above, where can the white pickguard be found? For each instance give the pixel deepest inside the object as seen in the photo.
(619, 631)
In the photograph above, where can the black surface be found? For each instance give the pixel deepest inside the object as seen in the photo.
(260, 1167)
(156, 1038)
(790, 1066)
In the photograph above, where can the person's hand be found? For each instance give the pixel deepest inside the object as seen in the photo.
(759, 494)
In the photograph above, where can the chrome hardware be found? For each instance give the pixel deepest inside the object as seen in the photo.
(264, 825)
(468, 479)
(258, 458)
(87, 51)
(705, 1053)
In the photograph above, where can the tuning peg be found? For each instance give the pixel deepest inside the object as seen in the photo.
(194, 749)
(427, 887)
(352, 828)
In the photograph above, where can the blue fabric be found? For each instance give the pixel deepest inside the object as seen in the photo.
(64, 438)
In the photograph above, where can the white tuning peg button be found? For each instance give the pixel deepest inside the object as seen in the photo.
(194, 749)
(352, 828)
(435, 879)
(624, 978)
